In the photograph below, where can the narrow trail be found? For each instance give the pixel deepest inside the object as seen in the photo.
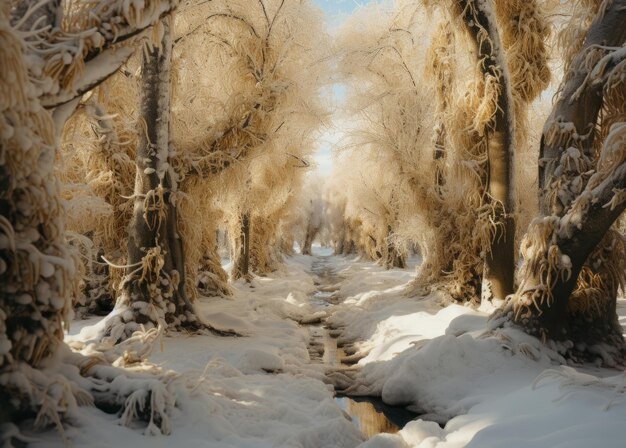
(369, 414)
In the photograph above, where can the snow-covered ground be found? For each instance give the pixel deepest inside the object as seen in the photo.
(262, 390)
(259, 390)
(494, 389)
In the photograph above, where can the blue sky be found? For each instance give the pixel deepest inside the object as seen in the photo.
(336, 11)
(334, 7)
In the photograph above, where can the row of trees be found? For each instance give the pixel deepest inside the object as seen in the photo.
(236, 130)
(160, 126)
(446, 109)
(155, 124)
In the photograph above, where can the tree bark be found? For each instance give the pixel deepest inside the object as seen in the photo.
(498, 276)
(153, 291)
(545, 312)
(241, 264)
(444, 74)
(573, 260)
(575, 114)
(38, 275)
(37, 265)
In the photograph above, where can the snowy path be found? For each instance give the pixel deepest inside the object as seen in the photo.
(264, 390)
(261, 390)
(370, 415)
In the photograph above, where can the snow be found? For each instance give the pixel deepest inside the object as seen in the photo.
(258, 390)
(96, 70)
(442, 362)
(490, 388)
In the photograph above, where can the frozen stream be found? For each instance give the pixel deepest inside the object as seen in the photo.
(369, 414)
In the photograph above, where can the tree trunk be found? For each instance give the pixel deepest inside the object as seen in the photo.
(41, 377)
(573, 261)
(439, 155)
(311, 233)
(394, 258)
(37, 266)
(499, 268)
(263, 256)
(551, 270)
(442, 43)
(575, 113)
(153, 291)
(241, 264)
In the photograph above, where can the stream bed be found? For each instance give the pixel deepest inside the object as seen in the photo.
(369, 414)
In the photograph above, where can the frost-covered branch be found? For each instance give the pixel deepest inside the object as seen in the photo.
(575, 115)
(70, 57)
(573, 259)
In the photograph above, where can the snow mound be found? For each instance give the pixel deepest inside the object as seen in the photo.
(258, 360)
(226, 322)
(492, 387)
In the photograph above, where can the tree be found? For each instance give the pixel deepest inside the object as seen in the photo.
(154, 288)
(47, 65)
(573, 260)
(97, 170)
(481, 25)
(388, 116)
(488, 125)
(280, 50)
(312, 213)
(217, 124)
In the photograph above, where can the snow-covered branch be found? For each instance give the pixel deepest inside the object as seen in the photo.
(90, 43)
(574, 116)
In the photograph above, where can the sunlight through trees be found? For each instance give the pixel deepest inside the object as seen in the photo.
(157, 160)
